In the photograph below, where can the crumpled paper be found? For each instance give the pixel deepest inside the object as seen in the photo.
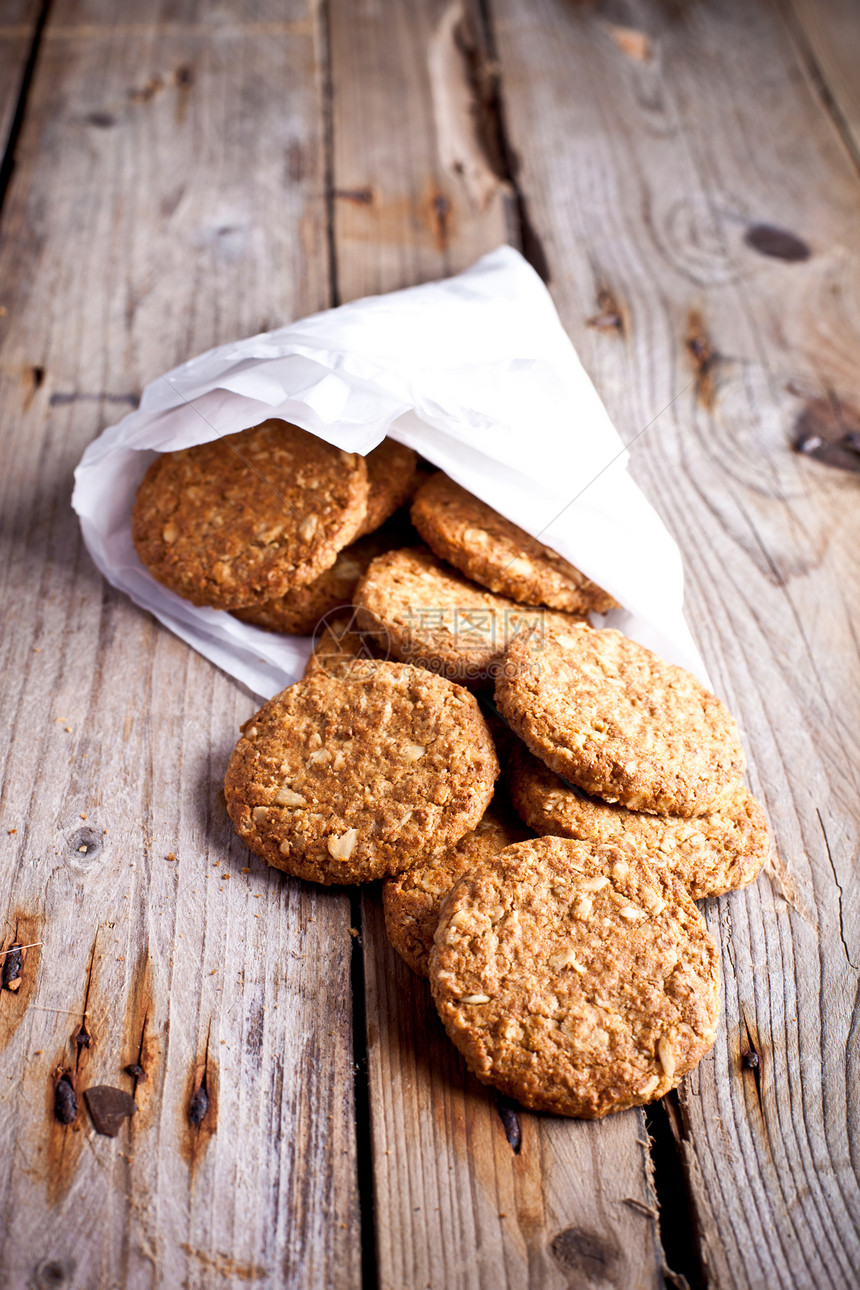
(476, 374)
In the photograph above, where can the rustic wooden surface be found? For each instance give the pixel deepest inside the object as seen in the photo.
(686, 177)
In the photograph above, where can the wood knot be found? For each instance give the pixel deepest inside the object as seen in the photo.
(778, 243)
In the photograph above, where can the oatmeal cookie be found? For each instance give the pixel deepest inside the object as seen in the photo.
(434, 617)
(392, 473)
(346, 780)
(574, 978)
(616, 720)
(486, 547)
(710, 854)
(245, 518)
(411, 901)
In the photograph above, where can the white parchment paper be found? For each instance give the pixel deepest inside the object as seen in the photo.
(475, 373)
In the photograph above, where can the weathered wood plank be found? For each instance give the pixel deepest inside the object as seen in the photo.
(455, 1205)
(168, 195)
(416, 185)
(661, 146)
(828, 35)
(18, 23)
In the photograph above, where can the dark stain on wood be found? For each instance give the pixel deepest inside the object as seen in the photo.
(109, 1108)
(65, 1136)
(588, 1254)
(359, 196)
(183, 78)
(10, 973)
(609, 317)
(440, 216)
(19, 972)
(101, 120)
(509, 1114)
(778, 243)
(828, 429)
(38, 374)
(65, 1099)
(296, 165)
(751, 1060)
(200, 1108)
(704, 359)
(141, 1046)
(61, 397)
(143, 93)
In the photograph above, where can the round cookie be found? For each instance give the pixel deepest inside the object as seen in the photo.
(616, 720)
(244, 518)
(392, 472)
(500, 555)
(298, 612)
(710, 854)
(434, 617)
(346, 780)
(574, 978)
(412, 900)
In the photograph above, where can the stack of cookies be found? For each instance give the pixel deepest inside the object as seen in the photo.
(565, 954)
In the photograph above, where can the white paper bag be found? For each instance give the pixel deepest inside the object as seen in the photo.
(477, 375)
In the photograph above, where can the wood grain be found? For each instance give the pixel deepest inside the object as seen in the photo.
(416, 183)
(455, 1205)
(645, 183)
(827, 33)
(18, 23)
(168, 196)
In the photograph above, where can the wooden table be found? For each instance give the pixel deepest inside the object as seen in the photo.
(686, 178)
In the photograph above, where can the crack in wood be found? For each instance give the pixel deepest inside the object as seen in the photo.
(838, 888)
(509, 1114)
(751, 1061)
(7, 164)
(677, 1222)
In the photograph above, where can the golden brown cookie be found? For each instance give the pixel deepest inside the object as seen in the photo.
(392, 473)
(244, 518)
(411, 901)
(575, 978)
(346, 780)
(616, 720)
(432, 616)
(491, 550)
(710, 854)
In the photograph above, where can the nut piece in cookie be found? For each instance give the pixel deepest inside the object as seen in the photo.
(710, 854)
(616, 720)
(411, 901)
(500, 555)
(574, 978)
(434, 617)
(392, 474)
(245, 518)
(343, 780)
